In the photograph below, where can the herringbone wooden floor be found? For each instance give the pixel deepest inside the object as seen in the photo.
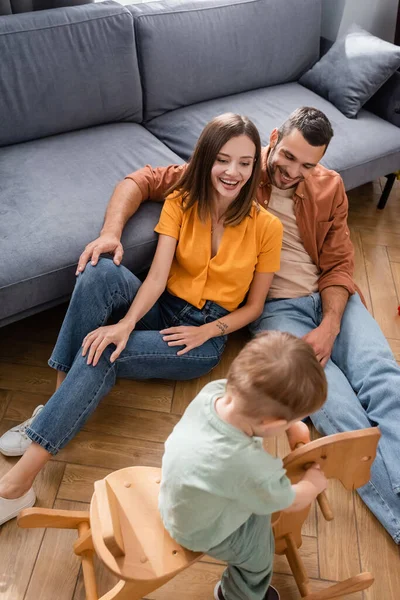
(131, 424)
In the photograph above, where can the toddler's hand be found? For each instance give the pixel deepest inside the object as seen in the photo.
(316, 477)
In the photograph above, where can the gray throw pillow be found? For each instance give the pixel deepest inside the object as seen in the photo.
(356, 66)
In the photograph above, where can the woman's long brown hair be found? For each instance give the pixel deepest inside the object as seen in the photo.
(195, 184)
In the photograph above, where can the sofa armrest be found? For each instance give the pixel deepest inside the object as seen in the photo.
(386, 102)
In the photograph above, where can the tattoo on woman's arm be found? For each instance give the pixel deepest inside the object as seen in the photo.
(221, 326)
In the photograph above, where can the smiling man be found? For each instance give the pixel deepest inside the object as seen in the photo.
(312, 296)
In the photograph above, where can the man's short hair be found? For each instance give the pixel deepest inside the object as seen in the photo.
(277, 375)
(312, 123)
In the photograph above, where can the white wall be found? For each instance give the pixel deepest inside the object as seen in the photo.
(376, 16)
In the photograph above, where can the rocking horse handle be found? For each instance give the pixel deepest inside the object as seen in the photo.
(322, 498)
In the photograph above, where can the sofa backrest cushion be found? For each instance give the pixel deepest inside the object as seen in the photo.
(191, 51)
(65, 69)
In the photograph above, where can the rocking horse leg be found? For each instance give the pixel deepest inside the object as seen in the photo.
(297, 566)
(84, 548)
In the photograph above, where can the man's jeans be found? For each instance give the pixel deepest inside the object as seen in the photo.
(363, 391)
(103, 292)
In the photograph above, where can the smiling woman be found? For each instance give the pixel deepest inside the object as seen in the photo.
(217, 250)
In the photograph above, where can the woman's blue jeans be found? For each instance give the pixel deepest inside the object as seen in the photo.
(363, 391)
(103, 292)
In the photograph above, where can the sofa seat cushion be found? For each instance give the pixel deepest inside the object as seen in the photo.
(54, 195)
(361, 149)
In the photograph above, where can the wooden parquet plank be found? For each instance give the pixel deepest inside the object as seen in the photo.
(379, 554)
(5, 397)
(394, 253)
(374, 237)
(30, 379)
(111, 451)
(35, 354)
(19, 547)
(130, 422)
(380, 222)
(383, 293)
(360, 273)
(107, 418)
(149, 395)
(337, 540)
(396, 276)
(78, 482)
(185, 391)
(22, 404)
(57, 567)
(26, 378)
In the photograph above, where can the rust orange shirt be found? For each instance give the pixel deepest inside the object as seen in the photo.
(196, 276)
(321, 209)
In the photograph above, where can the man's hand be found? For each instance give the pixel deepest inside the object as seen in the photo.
(322, 339)
(186, 335)
(106, 242)
(96, 341)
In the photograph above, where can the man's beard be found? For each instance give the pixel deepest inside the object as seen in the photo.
(270, 167)
(272, 170)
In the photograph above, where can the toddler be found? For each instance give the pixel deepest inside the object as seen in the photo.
(219, 486)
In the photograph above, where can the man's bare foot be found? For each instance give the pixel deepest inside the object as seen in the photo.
(298, 433)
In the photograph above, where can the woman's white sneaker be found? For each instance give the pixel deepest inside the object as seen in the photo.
(15, 442)
(11, 508)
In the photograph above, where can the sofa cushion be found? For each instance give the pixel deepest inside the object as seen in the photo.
(191, 51)
(65, 69)
(353, 151)
(356, 66)
(54, 195)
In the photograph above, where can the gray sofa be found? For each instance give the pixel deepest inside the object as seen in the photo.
(90, 93)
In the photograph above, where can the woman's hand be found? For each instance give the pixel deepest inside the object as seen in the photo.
(186, 335)
(96, 341)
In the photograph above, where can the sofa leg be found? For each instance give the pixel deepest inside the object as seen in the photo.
(386, 191)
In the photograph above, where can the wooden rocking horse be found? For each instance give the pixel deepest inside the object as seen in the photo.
(125, 530)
